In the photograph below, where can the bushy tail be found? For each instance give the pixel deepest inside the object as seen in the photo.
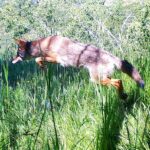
(129, 69)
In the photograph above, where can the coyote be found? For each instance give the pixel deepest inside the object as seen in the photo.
(67, 52)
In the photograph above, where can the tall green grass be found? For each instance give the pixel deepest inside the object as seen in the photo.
(59, 108)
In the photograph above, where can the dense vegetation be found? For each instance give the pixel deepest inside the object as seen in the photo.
(59, 108)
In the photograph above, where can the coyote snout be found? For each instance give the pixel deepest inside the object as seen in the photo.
(100, 63)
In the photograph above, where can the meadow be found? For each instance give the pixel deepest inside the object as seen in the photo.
(59, 108)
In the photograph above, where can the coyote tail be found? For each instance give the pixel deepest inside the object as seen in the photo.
(130, 70)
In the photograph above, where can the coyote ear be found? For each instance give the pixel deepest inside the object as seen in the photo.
(19, 41)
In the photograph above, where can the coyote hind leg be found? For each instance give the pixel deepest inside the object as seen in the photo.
(117, 83)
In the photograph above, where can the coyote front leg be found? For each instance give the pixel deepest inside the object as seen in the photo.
(40, 60)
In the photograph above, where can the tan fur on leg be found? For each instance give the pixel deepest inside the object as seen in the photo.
(106, 81)
(50, 59)
(117, 83)
(39, 60)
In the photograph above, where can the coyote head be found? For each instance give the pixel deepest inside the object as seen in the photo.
(22, 52)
